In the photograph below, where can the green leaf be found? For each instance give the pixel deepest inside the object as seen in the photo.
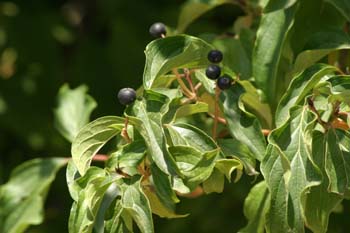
(73, 110)
(343, 6)
(274, 5)
(300, 87)
(91, 139)
(154, 138)
(187, 135)
(242, 125)
(120, 221)
(215, 183)
(227, 166)
(195, 166)
(256, 206)
(163, 188)
(208, 84)
(235, 58)
(162, 55)
(319, 202)
(192, 10)
(93, 186)
(289, 171)
(22, 197)
(236, 149)
(267, 55)
(128, 157)
(157, 206)
(322, 28)
(190, 109)
(135, 202)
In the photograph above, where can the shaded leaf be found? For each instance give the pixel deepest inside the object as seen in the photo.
(242, 125)
(256, 206)
(73, 110)
(192, 10)
(274, 5)
(22, 197)
(267, 55)
(342, 6)
(215, 183)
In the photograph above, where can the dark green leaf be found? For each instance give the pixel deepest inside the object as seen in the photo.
(256, 206)
(242, 125)
(235, 58)
(342, 6)
(267, 56)
(73, 110)
(92, 137)
(22, 197)
(164, 189)
(274, 5)
(192, 10)
(236, 149)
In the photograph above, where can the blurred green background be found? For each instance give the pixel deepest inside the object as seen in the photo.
(44, 44)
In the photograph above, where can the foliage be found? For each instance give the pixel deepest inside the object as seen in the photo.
(285, 122)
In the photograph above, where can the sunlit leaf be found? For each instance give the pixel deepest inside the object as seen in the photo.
(164, 54)
(92, 137)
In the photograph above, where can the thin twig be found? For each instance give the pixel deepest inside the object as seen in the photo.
(216, 113)
(183, 86)
(124, 132)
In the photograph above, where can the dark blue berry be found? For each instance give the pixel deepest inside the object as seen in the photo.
(157, 29)
(126, 96)
(215, 56)
(224, 82)
(213, 71)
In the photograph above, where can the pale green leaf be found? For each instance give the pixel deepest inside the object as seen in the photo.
(227, 166)
(215, 183)
(91, 139)
(135, 202)
(301, 86)
(188, 135)
(22, 197)
(274, 5)
(93, 186)
(289, 171)
(73, 110)
(319, 202)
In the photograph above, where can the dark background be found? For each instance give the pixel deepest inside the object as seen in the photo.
(44, 44)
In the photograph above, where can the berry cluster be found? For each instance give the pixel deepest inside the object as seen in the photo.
(213, 71)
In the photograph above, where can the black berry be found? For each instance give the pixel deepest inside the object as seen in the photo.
(126, 96)
(224, 82)
(213, 71)
(157, 29)
(215, 56)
